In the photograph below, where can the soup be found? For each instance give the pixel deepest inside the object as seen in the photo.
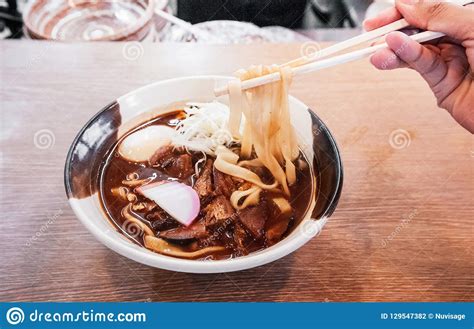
(219, 231)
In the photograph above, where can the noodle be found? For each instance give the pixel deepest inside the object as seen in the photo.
(226, 162)
(236, 103)
(267, 126)
(252, 197)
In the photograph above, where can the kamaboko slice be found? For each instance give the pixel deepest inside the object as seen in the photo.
(179, 200)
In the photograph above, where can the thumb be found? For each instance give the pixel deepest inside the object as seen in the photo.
(453, 20)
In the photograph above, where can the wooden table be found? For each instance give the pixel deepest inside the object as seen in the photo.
(402, 232)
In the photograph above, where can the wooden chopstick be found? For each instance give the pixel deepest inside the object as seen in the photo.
(306, 64)
(325, 63)
(355, 55)
(364, 37)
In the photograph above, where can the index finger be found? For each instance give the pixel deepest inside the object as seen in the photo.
(385, 17)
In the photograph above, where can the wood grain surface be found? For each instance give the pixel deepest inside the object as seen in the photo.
(402, 231)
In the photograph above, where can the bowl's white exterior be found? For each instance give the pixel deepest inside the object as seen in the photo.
(154, 98)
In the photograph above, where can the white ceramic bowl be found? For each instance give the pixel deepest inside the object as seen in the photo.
(91, 145)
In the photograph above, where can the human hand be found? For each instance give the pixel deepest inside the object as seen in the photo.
(448, 65)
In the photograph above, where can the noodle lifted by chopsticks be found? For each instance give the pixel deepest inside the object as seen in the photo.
(267, 131)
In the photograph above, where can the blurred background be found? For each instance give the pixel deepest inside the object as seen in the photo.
(210, 21)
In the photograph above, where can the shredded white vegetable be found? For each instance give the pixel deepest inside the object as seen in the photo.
(204, 128)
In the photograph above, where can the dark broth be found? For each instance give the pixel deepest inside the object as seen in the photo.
(115, 169)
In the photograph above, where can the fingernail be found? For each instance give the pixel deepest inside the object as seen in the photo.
(364, 24)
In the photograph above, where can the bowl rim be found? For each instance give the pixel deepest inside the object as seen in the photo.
(142, 255)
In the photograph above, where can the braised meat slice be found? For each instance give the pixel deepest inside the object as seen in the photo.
(180, 166)
(223, 184)
(275, 229)
(203, 185)
(172, 162)
(161, 155)
(277, 225)
(160, 221)
(218, 211)
(195, 231)
(240, 237)
(254, 218)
